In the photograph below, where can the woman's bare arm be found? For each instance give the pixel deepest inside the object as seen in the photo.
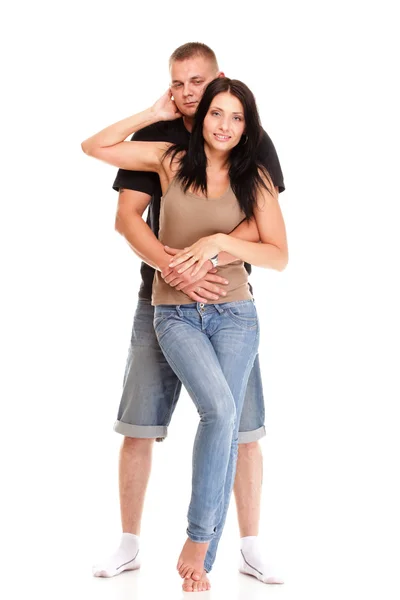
(109, 145)
(270, 252)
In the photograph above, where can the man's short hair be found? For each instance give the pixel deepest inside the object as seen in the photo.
(192, 49)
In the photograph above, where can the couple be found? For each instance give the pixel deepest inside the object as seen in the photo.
(218, 203)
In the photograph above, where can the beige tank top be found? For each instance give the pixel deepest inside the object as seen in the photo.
(184, 218)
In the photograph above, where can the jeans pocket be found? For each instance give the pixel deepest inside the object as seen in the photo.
(244, 315)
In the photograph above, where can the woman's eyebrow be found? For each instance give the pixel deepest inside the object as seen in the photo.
(222, 110)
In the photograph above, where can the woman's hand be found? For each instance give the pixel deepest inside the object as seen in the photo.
(197, 254)
(165, 108)
(183, 280)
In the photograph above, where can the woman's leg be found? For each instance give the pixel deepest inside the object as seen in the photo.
(237, 336)
(182, 337)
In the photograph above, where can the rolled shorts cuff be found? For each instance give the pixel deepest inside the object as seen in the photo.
(158, 432)
(245, 437)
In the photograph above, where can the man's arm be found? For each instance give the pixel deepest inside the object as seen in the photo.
(268, 157)
(130, 224)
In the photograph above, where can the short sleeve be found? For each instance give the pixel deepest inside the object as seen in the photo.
(269, 158)
(140, 181)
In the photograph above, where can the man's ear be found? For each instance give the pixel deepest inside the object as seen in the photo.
(220, 74)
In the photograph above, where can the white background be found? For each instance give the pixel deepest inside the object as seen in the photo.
(324, 75)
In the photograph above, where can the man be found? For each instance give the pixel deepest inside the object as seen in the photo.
(151, 389)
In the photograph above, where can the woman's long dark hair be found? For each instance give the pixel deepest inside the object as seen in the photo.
(244, 164)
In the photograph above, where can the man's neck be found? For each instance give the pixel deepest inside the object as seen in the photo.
(188, 123)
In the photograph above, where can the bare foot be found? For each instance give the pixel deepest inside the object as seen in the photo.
(191, 561)
(197, 586)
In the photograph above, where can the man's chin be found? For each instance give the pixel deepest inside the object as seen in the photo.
(188, 111)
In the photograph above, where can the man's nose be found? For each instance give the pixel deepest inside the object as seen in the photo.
(187, 90)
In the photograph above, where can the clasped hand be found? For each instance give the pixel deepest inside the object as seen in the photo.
(197, 254)
(202, 287)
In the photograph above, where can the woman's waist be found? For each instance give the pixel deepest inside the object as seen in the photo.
(237, 288)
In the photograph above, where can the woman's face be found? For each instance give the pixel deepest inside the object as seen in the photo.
(224, 124)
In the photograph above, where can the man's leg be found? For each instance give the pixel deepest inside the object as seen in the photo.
(150, 393)
(134, 473)
(248, 481)
(247, 488)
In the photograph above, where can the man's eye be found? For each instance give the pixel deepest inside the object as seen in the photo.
(177, 85)
(198, 82)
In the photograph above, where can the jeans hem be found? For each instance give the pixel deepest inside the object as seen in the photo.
(200, 539)
(158, 432)
(246, 437)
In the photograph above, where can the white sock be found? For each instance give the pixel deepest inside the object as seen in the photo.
(126, 558)
(253, 563)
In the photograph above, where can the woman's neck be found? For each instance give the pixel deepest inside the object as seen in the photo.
(216, 160)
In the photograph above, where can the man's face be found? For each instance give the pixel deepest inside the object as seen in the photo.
(189, 78)
(224, 124)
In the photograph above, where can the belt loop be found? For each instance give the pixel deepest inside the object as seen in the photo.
(178, 310)
(219, 309)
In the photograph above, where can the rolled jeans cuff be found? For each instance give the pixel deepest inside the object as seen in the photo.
(207, 567)
(200, 539)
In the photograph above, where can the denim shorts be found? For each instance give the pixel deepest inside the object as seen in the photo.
(151, 389)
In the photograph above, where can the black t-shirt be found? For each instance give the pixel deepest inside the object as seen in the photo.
(149, 183)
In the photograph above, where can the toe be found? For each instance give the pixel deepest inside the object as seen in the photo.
(196, 576)
(185, 572)
(187, 585)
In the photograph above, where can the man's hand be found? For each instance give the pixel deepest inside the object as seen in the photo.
(204, 290)
(165, 108)
(181, 280)
(204, 286)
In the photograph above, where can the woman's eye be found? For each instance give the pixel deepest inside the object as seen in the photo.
(215, 113)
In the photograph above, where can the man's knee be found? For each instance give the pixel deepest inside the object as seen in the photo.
(134, 445)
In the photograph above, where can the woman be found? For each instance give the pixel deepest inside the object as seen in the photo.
(208, 189)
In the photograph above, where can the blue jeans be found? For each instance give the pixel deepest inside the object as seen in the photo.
(211, 348)
(151, 389)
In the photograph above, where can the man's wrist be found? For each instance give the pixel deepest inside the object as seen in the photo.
(163, 263)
